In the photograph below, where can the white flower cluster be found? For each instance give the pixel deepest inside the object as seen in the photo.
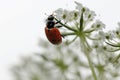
(68, 16)
(98, 25)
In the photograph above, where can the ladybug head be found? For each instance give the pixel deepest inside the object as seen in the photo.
(50, 24)
(51, 17)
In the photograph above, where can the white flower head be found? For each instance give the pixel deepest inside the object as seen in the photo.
(88, 14)
(109, 35)
(63, 15)
(98, 46)
(78, 6)
(66, 16)
(74, 15)
(98, 25)
(58, 13)
(116, 32)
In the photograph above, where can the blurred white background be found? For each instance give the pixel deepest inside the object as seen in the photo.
(22, 24)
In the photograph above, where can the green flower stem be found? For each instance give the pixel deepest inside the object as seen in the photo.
(93, 38)
(112, 44)
(116, 59)
(73, 40)
(113, 50)
(66, 34)
(81, 22)
(91, 65)
(66, 25)
(86, 51)
(89, 31)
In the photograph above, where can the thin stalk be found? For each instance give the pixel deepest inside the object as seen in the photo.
(114, 50)
(112, 44)
(91, 65)
(89, 31)
(72, 29)
(81, 22)
(66, 34)
(86, 51)
(72, 40)
(116, 59)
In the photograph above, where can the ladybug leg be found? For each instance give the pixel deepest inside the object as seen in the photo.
(58, 22)
(59, 26)
(62, 36)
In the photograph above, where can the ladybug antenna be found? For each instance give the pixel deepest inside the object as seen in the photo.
(50, 17)
(53, 13)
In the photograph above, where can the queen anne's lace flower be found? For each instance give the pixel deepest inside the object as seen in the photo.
(74, 15)
(66, 15)
(78, 6)
(106, 35)
(117, 31)
(98, 25)
(89, 15)
(59, 13)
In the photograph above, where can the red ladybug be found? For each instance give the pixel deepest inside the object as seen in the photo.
(52, 33)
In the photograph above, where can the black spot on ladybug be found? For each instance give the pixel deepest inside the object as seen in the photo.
(53, 40)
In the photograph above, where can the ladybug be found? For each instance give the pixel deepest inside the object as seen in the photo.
(52, 32)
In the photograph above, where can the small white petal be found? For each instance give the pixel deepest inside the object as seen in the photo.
(79, 6)
(89, 15)
(98, 25)
(59, 13)
(119, 24)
